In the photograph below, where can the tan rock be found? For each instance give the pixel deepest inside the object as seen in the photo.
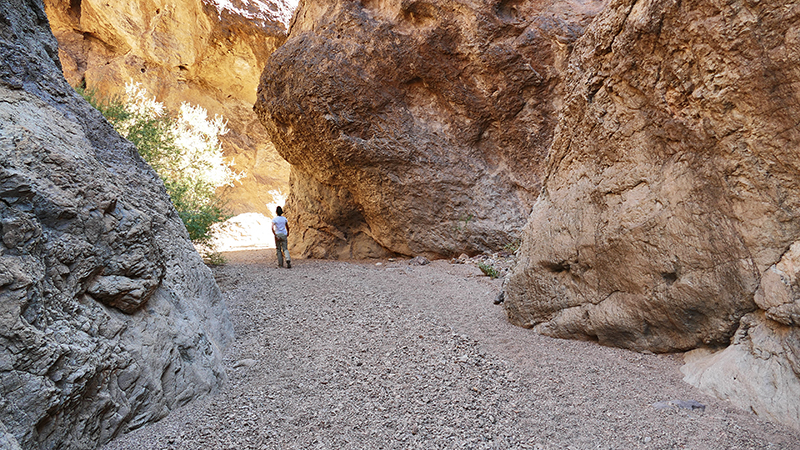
(759, 372)
(416, 127)
(779, 291)
(202, 52)
(673, 181)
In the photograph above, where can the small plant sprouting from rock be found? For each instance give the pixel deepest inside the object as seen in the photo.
(464, 219)
(512, 247)
(488, 270)
(184, 150)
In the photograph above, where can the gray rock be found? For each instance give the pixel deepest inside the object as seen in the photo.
(108, 317)
(246, 363)
(419, 261)
(7, 440)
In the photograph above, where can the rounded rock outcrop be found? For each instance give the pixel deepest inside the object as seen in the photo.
(416, 127)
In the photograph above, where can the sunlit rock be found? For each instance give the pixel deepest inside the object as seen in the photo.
(207, 53)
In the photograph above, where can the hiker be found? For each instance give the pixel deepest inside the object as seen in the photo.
(280, 228)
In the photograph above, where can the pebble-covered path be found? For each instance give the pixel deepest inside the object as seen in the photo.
(338, 355)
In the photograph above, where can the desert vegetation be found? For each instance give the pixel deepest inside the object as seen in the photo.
(183, 147)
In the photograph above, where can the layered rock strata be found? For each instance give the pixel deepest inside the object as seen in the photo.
(672, 194)
(108, 317)
(416, 127)
(204, 52)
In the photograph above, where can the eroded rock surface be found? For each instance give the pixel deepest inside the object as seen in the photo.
(208, 53)
(760, 370)
(416, 127)
(108, 317)
(673, 186)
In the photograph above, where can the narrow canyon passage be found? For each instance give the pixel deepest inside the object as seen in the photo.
(338, 355)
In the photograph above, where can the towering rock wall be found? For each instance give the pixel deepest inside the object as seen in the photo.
(416, 127)
(205, 52)
(672, 198)
(108, 317)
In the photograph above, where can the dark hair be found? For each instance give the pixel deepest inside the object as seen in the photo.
(279, 211)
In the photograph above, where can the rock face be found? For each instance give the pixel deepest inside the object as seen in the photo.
(208, 53)
(672, 195)
(761, 369)
(416, 127)
(108, 317)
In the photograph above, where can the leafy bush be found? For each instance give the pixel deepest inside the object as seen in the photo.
(184, 150)
(488, 270)
(512, 247)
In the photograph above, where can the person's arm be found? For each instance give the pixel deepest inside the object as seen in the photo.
(273, 229)
(287, 228)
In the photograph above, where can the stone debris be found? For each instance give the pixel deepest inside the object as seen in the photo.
(419, 261)
(692, 405)
(354, 356)
(247, 363)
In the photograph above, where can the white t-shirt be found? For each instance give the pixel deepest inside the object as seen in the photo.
(280, 225)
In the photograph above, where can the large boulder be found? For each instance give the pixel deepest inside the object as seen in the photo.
(207, 53)
(673, 185)
(108, 317)
(416, 127)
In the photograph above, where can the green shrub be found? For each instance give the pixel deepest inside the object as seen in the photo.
(512, 247)
(488, 270)
(213, 258)
(183, 148)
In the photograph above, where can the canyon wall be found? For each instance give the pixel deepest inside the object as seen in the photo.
(108, 317)
(202, 52)
(670, 214)
(416, 127)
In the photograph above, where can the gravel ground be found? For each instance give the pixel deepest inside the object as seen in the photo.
(360, 355)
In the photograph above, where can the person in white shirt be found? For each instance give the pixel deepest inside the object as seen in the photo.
(280, 228)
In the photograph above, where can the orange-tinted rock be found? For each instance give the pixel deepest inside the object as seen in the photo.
(186, 51)
(674, 177)
(416, 127)
(672, 194)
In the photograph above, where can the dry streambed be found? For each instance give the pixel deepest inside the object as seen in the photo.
(335, 355)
